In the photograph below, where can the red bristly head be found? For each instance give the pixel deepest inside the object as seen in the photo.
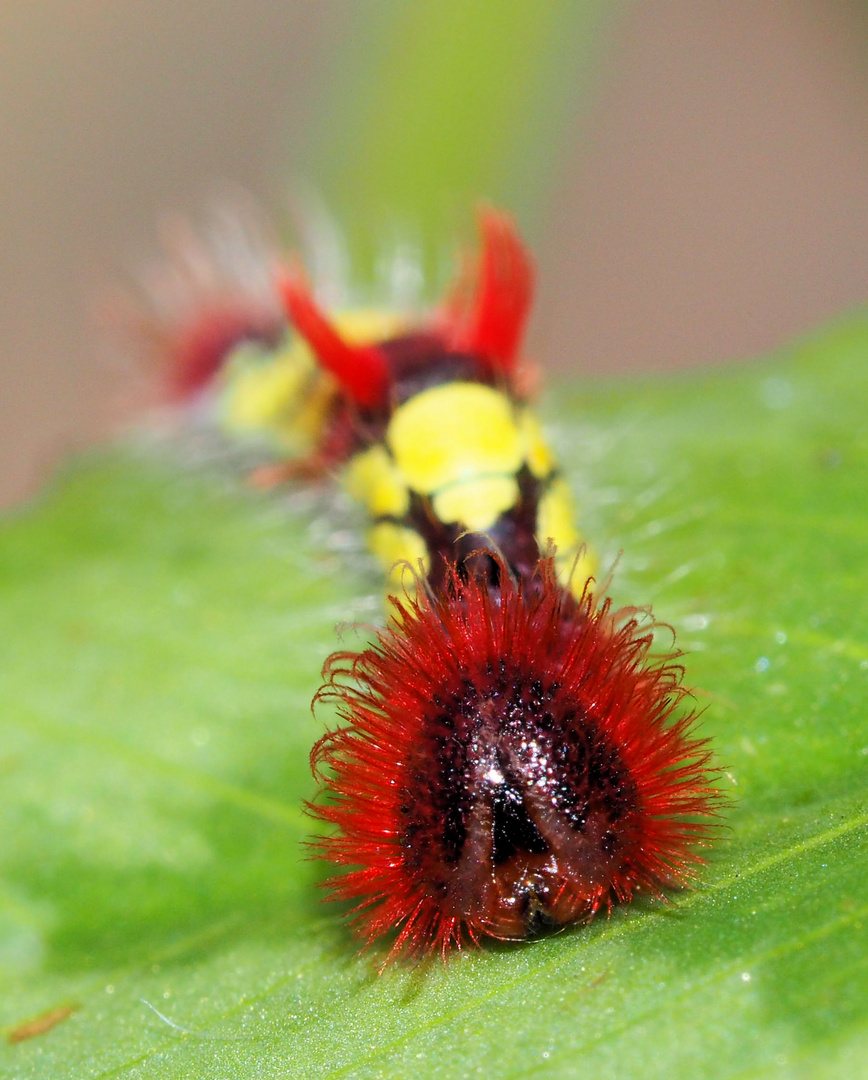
(493, 324)
(361, 370)
(511, 760)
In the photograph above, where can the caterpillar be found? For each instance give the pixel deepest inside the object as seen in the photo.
(511, 755)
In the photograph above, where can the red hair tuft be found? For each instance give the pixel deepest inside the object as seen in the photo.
(511, 760)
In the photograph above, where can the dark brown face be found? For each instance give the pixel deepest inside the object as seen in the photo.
(522, 828)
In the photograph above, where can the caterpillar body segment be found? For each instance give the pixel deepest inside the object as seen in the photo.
(450, 459)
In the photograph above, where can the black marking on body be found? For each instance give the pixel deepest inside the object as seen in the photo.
(416, 363)
(513, 826)
(513, 535)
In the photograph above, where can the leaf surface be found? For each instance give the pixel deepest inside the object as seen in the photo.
(161, 634)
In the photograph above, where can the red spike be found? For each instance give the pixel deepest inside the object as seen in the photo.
(495, 321)
(361, 370)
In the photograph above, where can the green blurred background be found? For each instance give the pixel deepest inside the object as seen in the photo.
(693, 175)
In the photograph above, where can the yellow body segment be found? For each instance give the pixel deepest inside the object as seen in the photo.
(575, 572)
(396, 544)
(476, 504)
(555, 517)
(455, 432)
(373, 479)
(556, 523)
(537, 453)
(365, 325)
(283, 393)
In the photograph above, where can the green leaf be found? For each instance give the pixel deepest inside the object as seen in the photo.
(162, 632)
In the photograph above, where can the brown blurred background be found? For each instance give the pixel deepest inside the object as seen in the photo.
(708, 199)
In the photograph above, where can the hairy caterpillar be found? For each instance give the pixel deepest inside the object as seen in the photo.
(511, 756)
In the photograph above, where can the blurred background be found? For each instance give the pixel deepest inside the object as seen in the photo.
(692, 175)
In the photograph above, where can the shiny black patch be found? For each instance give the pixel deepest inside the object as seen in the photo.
(513, 748)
